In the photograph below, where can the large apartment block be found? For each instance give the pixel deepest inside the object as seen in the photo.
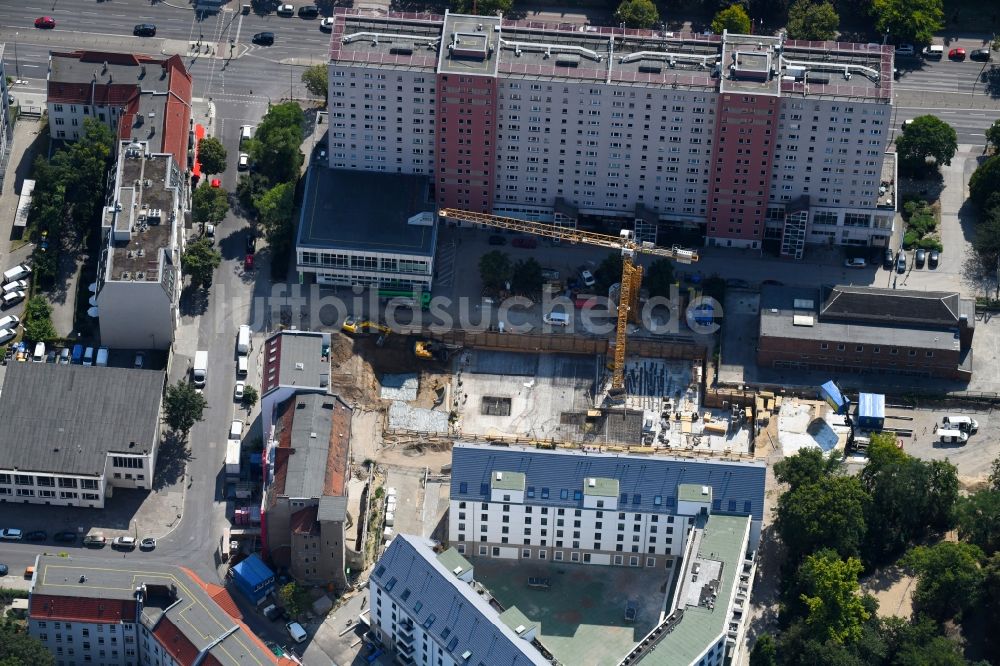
(517, 503)
(746, 137)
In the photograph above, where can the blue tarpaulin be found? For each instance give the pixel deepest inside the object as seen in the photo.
(871, 411)
(831, 393)
(253, 578)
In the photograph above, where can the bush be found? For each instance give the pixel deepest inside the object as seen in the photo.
(930, 243)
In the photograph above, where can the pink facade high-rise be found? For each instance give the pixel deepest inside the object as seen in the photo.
(747, 138)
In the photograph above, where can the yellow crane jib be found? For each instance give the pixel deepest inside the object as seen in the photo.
(628, 301)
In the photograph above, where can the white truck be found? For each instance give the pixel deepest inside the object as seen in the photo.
(243, 340)
(233, 458)
(199, 372)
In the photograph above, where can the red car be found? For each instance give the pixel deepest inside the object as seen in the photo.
(956, 54)
(45, 22)
(248, 263)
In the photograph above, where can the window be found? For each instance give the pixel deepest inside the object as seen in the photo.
(463, 487)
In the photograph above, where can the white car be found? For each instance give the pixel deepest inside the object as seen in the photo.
(10, 321)
(12, 298)
(854, 262)
(14, 286)
(11, 534)
(326, 25)
(286, 10)
(905, 50)
(588, 278)
(7, 334)
(244, 162)
(238, 391)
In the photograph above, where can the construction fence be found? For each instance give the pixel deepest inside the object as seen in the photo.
(556, 343)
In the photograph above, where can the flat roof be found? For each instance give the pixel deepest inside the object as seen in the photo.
(66, 419)
(176, 601)
(295, 358)
(471, 45)
(364, 211)
(693, 492)
(453, 561)
(601, 487)
(507, 481)
(714, 569)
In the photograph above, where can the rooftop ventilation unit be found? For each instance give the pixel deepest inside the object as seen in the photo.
(651, 68)
(401, 50)
(499, 476)
(567, 60)
(140, 275)
(126, 275)
(591, 483)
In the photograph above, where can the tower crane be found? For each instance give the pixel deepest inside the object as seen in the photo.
(628, 300)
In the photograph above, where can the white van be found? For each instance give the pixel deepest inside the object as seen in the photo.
(243, 340)
(88, 356)
(952, 436)
(935, 51)
(963, 423)
(296, 631)
(246, 132)
(39, 355)
(556, 319)
(102, 357)
(242, 366)
(18, 272)
(236, 430)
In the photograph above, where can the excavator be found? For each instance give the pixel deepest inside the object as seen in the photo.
(631, 271)
(353, 326)
(430, 350)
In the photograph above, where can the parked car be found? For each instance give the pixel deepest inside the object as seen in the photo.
(238, 390)
(148, 543)
(124, 543)
(888, 260)
(286, 10)
(16, 273)
(95, 541)
(264, 39)
(248, 262)
(308, 11)
(144, 30)
(45, 22)
(3, 569)
(36, 535)
(326, 25)
(64, 356)
(525, 241)
(251, 243)
(855, 262)
(905, 50)
(244, 162)
(66, 536)
(588, 278)
(15, 285)
(10, 321)
(140, 360)
(7, 334)
(496, 239)
(933, 258)
(956, 54)
(901, 262)
(980, 55)
(920, 258)
(13, 297)
(11, 534)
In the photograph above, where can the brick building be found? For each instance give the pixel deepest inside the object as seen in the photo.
(845, 329)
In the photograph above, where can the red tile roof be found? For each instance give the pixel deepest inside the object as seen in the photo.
(336, 457)
(75, 609)
(174, 642)
(303, 521)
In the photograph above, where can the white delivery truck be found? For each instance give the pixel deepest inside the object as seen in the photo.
(233, 458)
(199, 372)
(243, 340)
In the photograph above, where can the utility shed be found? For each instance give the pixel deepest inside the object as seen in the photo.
(253, 578)
(830, 392)
(871, 411)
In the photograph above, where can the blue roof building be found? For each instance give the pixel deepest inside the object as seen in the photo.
(422, 599)
(253, 578)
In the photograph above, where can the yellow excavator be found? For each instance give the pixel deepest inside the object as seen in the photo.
(429, 350)
(353, 326)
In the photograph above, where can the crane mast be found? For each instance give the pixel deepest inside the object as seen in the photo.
(628, 300)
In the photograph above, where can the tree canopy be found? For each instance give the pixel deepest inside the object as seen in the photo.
(926, 137)
(807, 466)
(829, 590)
(212, 155)
(659, 277)
(199, 262)
(607, 273)
(526, 277)
(826, 514)
(948, 578)
(316, 81)
(985, 180)
(18, 648)
(733, 18)
(183, 406)
(637, 13)
(495, 270)
(993, 135)
(482, 7)
(814, 21)
(209, 205)
(38, 320)
(913, 21)
(275, 147)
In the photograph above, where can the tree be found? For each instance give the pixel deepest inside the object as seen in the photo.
(38, 320)
(990, 603)
(294, 598)
(607, 273)
(275, 209)
(212, 155)
(248, 188)
(275, 147)
(183, 406)
(913, 21)
(249, 397)
(993, 135)
(814, 21)
(316, 81)
(209, 205)
(826, 514)
(829, 590)
(985, 181)
(734, 19)
(948, 578)
(482, 7)
(765, 651)
(637, 13)
(199, 262)
(18, 648)
(495, 270)
(979, 520)
(526, 277)
(926, 137)
(807, 466)
(659, 277)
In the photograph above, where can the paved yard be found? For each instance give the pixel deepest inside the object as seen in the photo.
(581, 618)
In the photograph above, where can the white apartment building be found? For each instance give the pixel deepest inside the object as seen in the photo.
(73, 434)
(634, 511)
(611, 120)
(139, 274)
